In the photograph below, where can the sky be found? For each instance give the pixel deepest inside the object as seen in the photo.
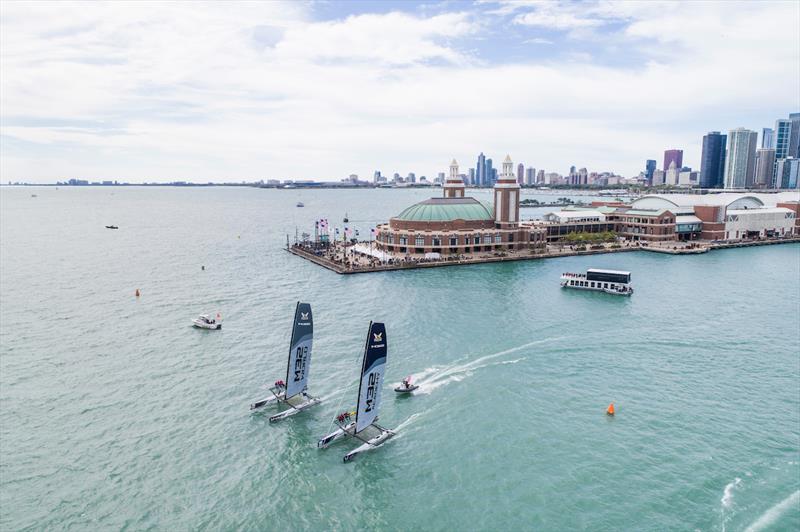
(150, 91)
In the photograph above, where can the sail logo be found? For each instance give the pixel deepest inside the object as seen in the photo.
(304, 315)
(377, 337)
(300, 363)
(372, 390)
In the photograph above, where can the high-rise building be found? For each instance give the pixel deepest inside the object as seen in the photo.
(789, 173)
(673, 174)
(649, 168)
(712, 160)
(658, 177)
(765, 166)
(376, 177)
(766, 138)
(521, 174)
(530, 176)
(412, 177)
(540, 176)
(675, 156)
(740, 163)
(490, 175)
(782, 139)
(480, 171)
(794, 135)
(471, 177)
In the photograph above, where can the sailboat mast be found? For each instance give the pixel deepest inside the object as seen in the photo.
(361, 373)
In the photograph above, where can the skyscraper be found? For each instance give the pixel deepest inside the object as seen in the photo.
(540, 176)
(740, 164)
(649, 168)
(480, 171)
(472, 176)
(530, 176)
(712, 160)
(789, 173)
(766, 137)
(782, 138)
(765, 165)
(673, 155)
(521, 174)
(794, 135)
(489, 174)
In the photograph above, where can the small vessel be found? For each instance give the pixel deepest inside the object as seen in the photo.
(406, 385)
(609, 281)
(204, 322)
(112, 227)
(292, 391)
(300, 204)
(345, 219)
(34, 196)
(364, 427)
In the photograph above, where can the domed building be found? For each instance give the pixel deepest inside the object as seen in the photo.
(456, 224)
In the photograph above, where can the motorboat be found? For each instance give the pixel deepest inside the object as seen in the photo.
(406, 385)
(112, 227)
(205, 322)
(300, 204)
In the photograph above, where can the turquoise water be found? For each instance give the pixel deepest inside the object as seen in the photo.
(116, 414)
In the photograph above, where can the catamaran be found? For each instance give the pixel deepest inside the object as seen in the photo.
(292, 391)
(364, 428)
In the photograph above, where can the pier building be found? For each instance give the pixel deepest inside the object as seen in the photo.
(457, 224)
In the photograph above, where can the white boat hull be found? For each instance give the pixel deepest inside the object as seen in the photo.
(370, 444)
(209, 326)
(337, 434)
(403, 389)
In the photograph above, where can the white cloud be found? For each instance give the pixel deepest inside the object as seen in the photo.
(260, 90)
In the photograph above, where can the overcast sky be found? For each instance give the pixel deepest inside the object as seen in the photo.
(319, 90)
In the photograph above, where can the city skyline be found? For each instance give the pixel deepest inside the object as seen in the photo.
(312, 91)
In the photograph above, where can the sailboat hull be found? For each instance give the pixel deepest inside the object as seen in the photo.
(370, 444)
(295, 409)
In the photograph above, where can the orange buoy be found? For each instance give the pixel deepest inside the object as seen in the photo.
(137, 292)
(610, 409)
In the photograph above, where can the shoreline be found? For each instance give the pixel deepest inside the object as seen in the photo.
(343, 269)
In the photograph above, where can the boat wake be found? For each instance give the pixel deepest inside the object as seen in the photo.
(432, 378)
(727, 494)
(773, 514)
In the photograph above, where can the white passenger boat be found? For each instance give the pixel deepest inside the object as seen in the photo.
(364, 427)
(609, 281)
(292, 392)
(204, 322)
(300, 204)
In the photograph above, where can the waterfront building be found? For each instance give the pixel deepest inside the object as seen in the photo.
(649, 168)
(766, 138)
(740, 163)
(765, 164)
(712, 160)
(456, 224)
(376, 177)
(540, 177)
(521, 174)
(671, 156)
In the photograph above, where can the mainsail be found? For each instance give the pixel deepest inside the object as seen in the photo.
(299, 351)
(372, 370)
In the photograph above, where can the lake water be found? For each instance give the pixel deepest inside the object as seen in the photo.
(116, 414)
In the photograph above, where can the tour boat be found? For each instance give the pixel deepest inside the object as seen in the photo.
(292, 391)
(609, 281)
(364, 427)
(112, 227)
(204, 322)
(300, 204)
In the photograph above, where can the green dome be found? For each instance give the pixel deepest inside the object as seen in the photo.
(447, 210)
